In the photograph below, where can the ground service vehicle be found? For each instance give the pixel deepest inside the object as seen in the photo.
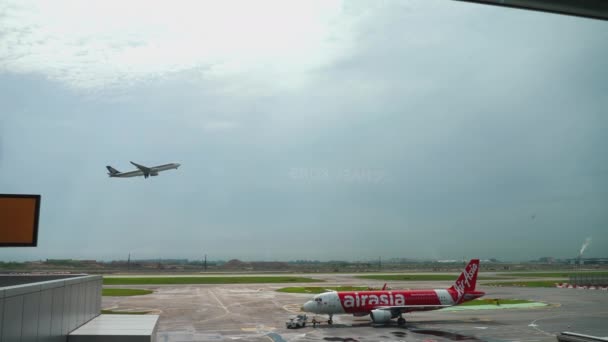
(295, 322)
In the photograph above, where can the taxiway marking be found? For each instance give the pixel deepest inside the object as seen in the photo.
(219, 302)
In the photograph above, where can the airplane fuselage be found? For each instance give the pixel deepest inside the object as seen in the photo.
(382, 306)
(363, 302)
(142, 171)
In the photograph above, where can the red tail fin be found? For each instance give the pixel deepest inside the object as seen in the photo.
(467, 280)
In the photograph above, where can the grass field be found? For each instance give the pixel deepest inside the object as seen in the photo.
(563, 274)
(319, 289)
(124, 292)
(110, 312)
(541, 283)
(418, 277)
(492, 301)
(205, 280)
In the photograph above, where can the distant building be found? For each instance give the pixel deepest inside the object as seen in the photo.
(547, 260)
(594, 261)
(588, 261)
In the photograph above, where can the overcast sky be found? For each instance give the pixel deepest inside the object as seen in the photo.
(305, 129)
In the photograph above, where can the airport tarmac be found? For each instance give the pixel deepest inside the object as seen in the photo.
(256, 312)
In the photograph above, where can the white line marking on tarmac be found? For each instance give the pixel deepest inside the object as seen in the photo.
(535, 326)
(219, 302)
(221, 305)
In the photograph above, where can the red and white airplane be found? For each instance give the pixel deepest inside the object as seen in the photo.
(382, 306)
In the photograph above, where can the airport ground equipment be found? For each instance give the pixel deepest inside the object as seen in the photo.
(295, 322)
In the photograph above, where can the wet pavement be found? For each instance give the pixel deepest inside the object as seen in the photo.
(255, 312)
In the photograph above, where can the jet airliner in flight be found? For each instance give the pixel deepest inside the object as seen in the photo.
(142, 170)
(382, 306)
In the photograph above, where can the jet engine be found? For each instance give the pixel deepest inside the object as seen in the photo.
(154, 173)
(381, 316)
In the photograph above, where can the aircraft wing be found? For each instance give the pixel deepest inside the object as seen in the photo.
(146, 170)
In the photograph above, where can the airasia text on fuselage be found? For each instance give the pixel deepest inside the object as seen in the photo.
(357, 300)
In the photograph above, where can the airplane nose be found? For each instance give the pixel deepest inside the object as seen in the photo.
(307, 307)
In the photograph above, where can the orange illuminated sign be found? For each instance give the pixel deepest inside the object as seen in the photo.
(19, 220)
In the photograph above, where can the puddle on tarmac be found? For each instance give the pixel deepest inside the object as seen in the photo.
(399, 333)
(444, 334)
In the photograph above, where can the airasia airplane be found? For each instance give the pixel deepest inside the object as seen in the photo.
(382, 306)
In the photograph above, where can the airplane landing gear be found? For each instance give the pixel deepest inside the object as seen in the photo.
(330, 321)
(401, 321)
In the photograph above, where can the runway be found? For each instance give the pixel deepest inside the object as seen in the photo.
(256, 312)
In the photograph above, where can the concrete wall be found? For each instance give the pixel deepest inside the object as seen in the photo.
(48, 310)
(12, 280)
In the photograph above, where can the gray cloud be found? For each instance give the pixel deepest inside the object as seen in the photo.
(475, 117)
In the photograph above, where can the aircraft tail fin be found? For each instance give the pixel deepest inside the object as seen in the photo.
(468, 279)
(112, 171)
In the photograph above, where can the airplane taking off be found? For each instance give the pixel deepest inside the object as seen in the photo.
(142, 170)
(382, 306)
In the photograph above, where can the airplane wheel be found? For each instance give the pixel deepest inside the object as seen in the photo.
(330, 322)
(401, 321)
